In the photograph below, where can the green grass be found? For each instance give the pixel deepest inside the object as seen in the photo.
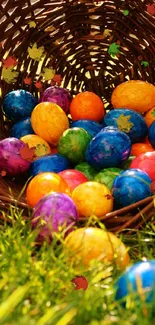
(36, 287)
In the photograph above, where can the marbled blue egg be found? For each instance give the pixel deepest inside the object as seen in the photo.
(128, 282)
(151, 134)
(131, 186)
(18, 104)
(21, 128)
(91, 127)
(109, 148)
(134, 124)
(49, 163)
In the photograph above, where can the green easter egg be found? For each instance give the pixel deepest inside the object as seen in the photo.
(73, 143)
(87, 170)
(107, 176)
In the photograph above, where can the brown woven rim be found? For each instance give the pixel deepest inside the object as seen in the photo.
(76, 36)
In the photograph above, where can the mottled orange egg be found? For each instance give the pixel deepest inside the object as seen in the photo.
(134, 94)
(150, 116)
(44, 183)
(87, 244)
(49, 121)
(87, 106)
(92, 198)
(42, 148)
(138, 148)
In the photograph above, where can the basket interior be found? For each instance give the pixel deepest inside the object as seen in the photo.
(88, 45)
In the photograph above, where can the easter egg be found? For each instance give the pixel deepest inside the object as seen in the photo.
(151, 134)
(41, 147)
(88, 244)
(150, 116)
(21, 128)
(138, 281)
(134, 94)
(128, 121)
(59, 96)
(44, 183)
(73, 143)
(56, 210)
(18, 104)
(108, 149)
(73, 178)
(87, 106)
(138, 148)
(11, 157)
(91, 127)
(92, 198)
(87, 170)
(131, 186)
(146, 163)
(107, 175)
(51, 163)
(49, 121)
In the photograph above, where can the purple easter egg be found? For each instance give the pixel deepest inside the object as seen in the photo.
(55, 209)
(11, 160)
(59, 96)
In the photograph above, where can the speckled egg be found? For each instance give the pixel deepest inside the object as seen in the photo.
(128, 121)
(51, 163)
(56, 210)
(59, 96)
(21, 128)
(11, 160)
(109, 148)
(18, 104)
(107, 176)
(131, 186)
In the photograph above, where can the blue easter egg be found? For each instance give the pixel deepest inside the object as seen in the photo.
(151, 134)
(131, 186)
(91, 127)
(49, 163)
(18, 104)
(128, 283)
(21, 128)
(128, 121)
(108, 149)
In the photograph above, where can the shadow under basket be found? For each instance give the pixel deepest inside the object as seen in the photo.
(76, 38)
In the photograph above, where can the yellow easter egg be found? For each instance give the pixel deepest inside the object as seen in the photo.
(92, 198)
(87, 244)
(49, 122)
(41, 147)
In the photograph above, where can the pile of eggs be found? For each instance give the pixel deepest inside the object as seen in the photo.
(82, 161)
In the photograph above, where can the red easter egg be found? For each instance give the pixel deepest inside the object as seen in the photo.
(139, 148)
(145, 162)
(73, 178)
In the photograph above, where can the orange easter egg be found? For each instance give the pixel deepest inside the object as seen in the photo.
(138, 148)
(92, 198)
(150, 116)
(42, 148)
(49, 121)
(44, 183)
(87, 106)
(134, 94)
(87, 244)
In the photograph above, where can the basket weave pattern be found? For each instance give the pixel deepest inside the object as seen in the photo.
(76, 37)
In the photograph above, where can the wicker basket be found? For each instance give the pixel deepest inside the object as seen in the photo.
(76, 36)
